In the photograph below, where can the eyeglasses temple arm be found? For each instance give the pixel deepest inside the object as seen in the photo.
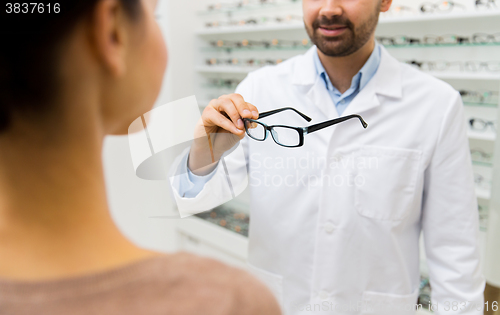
(329, 123)
(272, 112)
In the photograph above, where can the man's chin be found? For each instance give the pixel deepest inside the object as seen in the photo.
(336, 50)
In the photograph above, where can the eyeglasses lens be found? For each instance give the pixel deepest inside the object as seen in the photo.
(286, 136)
(255, 130)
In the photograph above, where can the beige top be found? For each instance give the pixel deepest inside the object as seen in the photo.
(174, 284)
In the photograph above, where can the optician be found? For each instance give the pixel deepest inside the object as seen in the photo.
(350, 242)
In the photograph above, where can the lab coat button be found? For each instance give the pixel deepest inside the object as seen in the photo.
(323, 295)
(329, 228)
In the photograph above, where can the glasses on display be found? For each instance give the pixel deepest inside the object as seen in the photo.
(231, 23)
(481, 182)
(246, 3)
(449, 39)
(445, 39)
(260, 44)
(255, 21)
(485, 4)
(288, 136)
(247, 63)
(228, 218)
(479, 155)
(483, 218)
(424, 297)
(224, 83)
(483, 38)
(238, 4)
(287, 43)
(440, 7)
(397, 40)
(479, 96)
(470, 66)
(399, 10)
(288, 18)
(478, 124)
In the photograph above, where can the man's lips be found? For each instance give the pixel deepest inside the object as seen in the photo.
(332, 30)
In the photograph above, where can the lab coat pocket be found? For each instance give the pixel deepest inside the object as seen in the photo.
(273, 281)
(385, 181)
(376, 303)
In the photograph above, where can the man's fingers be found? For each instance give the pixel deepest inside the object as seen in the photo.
(214, 118)
(227, 106)
(254, 110)
(246, 110)
(228, 111)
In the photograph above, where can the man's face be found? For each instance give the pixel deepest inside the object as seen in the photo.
(341, 27)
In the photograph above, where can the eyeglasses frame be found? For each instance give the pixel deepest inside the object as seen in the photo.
(302, 131)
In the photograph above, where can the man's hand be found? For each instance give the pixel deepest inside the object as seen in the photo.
(219, 129)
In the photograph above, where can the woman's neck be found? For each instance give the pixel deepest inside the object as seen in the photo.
(54, 218)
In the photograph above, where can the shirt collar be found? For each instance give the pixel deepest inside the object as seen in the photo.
(361, 78)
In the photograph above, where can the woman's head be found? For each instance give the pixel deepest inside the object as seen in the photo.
(103, 59)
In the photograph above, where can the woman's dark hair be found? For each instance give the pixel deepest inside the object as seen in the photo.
(30, 47)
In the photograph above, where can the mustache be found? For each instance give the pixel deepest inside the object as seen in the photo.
(334, 20)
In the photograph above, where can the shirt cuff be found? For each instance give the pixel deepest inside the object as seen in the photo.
(190, 184)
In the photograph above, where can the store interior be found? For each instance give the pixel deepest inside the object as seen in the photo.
(213, 45)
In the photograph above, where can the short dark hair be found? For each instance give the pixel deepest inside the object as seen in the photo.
(29, 53)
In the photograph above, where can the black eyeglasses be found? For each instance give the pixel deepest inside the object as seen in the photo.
(288, 136)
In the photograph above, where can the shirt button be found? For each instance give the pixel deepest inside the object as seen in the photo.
(329, 228)
(342, 102)
(323, 295)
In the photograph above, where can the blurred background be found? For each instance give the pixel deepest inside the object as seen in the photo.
(213, 45)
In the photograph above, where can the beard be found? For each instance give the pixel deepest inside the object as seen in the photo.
(350, 41)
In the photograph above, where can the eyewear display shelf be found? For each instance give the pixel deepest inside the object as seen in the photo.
(221, 66)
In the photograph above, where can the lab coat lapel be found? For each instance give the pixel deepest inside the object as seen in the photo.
(306, 78)
(386, 82)
(365, 100)
(319, 96)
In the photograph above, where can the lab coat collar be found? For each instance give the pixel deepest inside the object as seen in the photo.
(386, 81)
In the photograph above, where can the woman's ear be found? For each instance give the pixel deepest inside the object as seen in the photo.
(385, 5)
(109, 36)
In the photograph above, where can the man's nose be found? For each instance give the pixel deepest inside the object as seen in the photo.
(331, 8)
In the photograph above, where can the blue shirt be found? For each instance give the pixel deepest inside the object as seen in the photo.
(191, 185)
(358, 82)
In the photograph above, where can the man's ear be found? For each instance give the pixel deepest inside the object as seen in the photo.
(385, 5)
(108, 35)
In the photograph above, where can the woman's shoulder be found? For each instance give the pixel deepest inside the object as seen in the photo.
(179, 283)
(202, 284)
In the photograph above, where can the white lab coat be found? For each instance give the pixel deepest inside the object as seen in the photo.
(341, 247)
